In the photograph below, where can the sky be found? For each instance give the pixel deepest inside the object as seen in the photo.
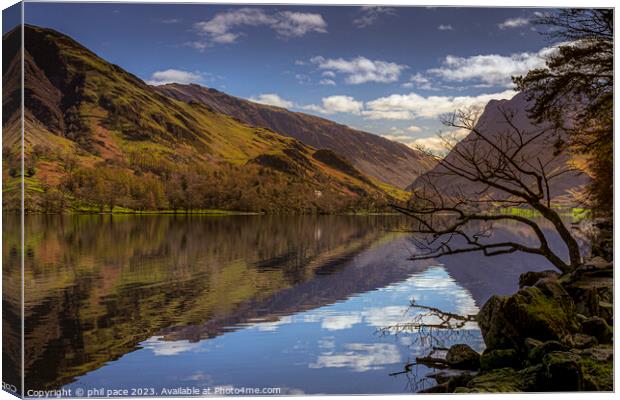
(392, 71)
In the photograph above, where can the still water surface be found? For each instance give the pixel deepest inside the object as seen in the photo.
(297, 303)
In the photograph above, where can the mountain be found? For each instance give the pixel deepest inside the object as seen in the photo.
(98, 138)
(388, 161)
(506, 123)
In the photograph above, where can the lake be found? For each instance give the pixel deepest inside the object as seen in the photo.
(296, 303)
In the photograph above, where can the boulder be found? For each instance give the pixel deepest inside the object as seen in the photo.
(500, 358)
(461, 356)
(536, 354)
(591, 291)
(598, 263)
(544, 312)
(531, 277)
(562, 372)
(503, 380)
(582, 341)
(597, 327)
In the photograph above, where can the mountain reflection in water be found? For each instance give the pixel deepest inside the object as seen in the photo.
(256, 301)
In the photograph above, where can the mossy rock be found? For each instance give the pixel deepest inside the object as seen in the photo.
(500, 358)
(582, 341)
(598, 372)
(598, 327)
(504, 380)
(530, 278)
(449, 383)
(562, 371)
(461, 356)
(589, 290)
(543, 312)
(537, 353)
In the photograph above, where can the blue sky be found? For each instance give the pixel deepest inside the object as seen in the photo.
(389, 71)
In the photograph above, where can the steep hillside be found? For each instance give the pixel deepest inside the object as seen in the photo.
(507, 125)
(99, 138)
(390, 162)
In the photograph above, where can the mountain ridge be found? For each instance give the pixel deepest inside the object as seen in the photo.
(389, 161)
(97, 137)
(499, 120)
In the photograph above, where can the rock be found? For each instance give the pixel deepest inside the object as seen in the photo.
(598, 353)
(537, 353)
(604, 247)
(504, 380)
(581, 318)
(597, 327)
(530, 344)
(445, 375)
(461, 356)
(531, 277)
(449, 380)
(606, 311)
(598, 263)
(582, 341)
(543, 312)
(500, 358)
(598, 375)
(588, 292)
(562, 372)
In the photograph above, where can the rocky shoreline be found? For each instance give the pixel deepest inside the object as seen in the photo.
(554, 334)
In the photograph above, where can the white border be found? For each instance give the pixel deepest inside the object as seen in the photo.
(450, 3)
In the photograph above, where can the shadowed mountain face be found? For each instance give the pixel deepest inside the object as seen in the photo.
(507, 126)
(98, 137)
(390, 162)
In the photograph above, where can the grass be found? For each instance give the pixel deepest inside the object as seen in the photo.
(123, 210)
(576, 213)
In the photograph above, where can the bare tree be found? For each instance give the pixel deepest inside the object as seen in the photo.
(493, 168)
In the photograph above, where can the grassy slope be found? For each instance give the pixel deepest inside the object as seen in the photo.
(109, 118)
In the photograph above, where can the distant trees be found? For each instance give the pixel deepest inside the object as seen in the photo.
(151, 182)
(575, 91)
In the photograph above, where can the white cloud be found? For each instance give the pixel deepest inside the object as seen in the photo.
(360, 357)
(413, 105)
(329, 74)
(170, 20)
(414, 129)
(274, 325)
(492, 69)
(340, 322)
(302, 78)
(327, 82)
(407, 85)
(224, 27)
(337, 104)
(272, 99)
(445, 27)
(371, 14)
(361, 69)
(162, 347)
(174, 76)
(436, 144)
(514, 23)
(420, 81)
(295, 24)
(388, 114)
